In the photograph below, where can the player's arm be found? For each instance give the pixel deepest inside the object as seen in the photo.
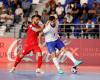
(37, 29)
(46, 27)
(41, 27)
(40, 36)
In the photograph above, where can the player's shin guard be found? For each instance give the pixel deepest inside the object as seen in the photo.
(39, 62)
(18, 59)
(56, 63)
(74, 60)
(70, 55)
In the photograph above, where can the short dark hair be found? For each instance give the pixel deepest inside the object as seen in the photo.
(35, 16)
(36, 11)
(69, 13)
(51, 18)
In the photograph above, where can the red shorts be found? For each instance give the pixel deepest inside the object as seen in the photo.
(34, 48)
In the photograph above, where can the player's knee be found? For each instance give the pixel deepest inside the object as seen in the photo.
(39, 54)
(53, 55)
(21, 56)
(18, 59)
(63, 50)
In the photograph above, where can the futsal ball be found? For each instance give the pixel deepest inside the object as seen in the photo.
(74, 70)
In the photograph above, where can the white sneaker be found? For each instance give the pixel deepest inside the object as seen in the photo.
(39, 71)
(12, 70)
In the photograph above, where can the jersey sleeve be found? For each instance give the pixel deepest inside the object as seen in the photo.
(41, 24)
(57, 23)
(46, 29)
(33, 28)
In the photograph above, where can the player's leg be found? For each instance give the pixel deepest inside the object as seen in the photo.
(18, 59)
(52, 51)
(60, 45)
(70, 56)
(56, 63)
(37, 50)
(74, 60)
(39, 60)
(39, 63)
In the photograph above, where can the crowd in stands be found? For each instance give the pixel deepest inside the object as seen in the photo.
(75, 13)
(73, 17)
(12, 11)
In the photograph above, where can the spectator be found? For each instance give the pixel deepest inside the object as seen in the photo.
(44, 17)
(10, 20)
(90, 26)
(98, 20)
(52, 8)
(94, 6)
(19, 2)
(85, 6)
(37, 13)
(54, 14)
(13, 5)
(0, 11)
(97, 31)
(84, 16)
(98, 10)
(60, 11)
(1, 4)
(82, 28)
(24, 27)
(2, 30)
(66, 28)
(69, 17)
(92, 12)
(51, 2)
(3, 17)
(75, 11)
(77, 31)
(18, 14)
(47, 7)
(3, 7)
(26, 5)
(83, 1)
(36, 2)
(68, 8)
(61, 1)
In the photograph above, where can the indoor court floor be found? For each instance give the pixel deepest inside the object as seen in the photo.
(26, 71)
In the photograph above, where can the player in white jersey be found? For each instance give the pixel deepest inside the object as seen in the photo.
(53, 42)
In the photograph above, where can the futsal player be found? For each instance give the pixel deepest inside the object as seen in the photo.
(31, 44)
(53, 42)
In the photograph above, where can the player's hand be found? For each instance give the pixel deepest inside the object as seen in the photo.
(40, 45)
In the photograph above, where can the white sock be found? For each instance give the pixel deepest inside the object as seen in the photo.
(70, 55)
(56, 63)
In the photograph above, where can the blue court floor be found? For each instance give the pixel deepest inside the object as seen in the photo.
(30, 75)
(27, 72)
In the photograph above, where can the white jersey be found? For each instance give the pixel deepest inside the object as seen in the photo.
(50, 33)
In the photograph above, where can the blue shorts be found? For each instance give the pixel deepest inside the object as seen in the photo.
(52, 46)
